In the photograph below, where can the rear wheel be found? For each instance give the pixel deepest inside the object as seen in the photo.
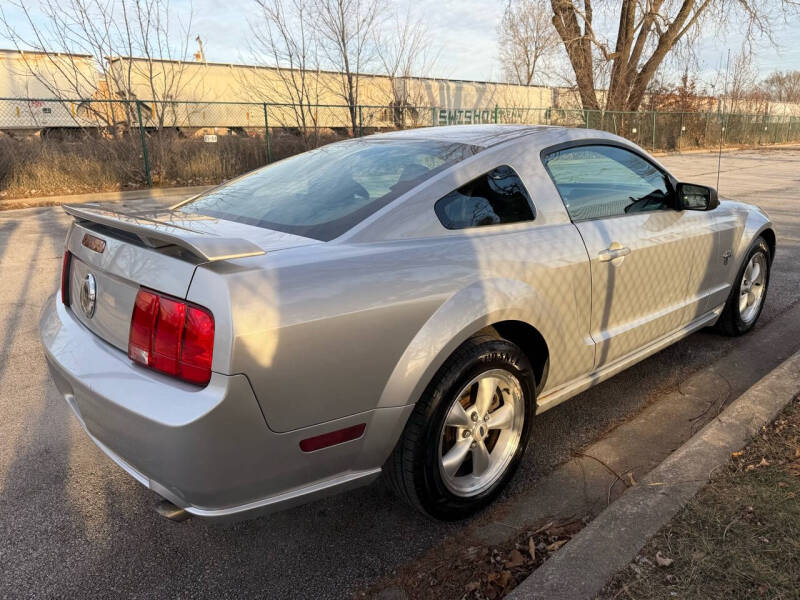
(748, 293)
(468, 432)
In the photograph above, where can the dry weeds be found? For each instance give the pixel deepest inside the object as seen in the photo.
(85, 162)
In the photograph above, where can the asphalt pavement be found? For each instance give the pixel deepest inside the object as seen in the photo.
(72, 524)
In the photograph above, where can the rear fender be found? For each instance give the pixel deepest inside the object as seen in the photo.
(461, 316)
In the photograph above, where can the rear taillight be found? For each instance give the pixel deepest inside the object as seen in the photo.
(65, 277)
(172, 336)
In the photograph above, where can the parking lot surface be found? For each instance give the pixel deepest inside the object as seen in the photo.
(72, 524)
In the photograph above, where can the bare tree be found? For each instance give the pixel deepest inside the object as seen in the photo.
(151, 32)
(743, 93)
(285, 40)
(741, 78)
(346, 30)
(681, 96)
(783, 87)
(646, 32)
(527, 40)
(109, 32)
(404, 51)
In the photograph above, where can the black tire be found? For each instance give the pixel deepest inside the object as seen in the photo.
(412, 470)
(730, 321)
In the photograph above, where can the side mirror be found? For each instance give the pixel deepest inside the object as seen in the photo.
(696, 197)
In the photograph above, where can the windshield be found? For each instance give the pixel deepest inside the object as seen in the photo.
(322, 193)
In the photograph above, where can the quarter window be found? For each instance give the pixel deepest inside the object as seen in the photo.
(597, 182)
(496, 197)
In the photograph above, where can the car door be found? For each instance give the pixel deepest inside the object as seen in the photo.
(642, 251)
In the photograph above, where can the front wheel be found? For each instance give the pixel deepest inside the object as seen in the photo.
(748, 292)
(468, 432)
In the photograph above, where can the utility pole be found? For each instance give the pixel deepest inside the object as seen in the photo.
(201, 55)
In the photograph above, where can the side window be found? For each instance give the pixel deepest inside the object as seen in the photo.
(596, 182)
(493, 198)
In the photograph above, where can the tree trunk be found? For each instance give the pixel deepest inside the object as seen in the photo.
(618, 89)
(579, 50)
(628, 82)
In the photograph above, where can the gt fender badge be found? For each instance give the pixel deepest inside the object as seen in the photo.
(93, 243)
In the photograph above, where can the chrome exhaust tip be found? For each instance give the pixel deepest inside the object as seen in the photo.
(168, 510)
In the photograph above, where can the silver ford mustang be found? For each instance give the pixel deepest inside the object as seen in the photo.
(404, 303)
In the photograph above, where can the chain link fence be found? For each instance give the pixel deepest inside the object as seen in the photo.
(71, 146)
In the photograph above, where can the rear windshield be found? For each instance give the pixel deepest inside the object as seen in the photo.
(322, 193)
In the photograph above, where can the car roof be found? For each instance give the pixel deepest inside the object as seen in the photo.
(485, 136)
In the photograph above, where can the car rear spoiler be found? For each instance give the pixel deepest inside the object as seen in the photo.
(158, 234)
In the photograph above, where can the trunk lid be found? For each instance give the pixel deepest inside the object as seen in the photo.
(157, 250)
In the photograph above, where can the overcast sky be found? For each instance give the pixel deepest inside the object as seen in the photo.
(465, 33)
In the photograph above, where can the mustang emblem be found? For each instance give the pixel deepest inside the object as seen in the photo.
(89, 295)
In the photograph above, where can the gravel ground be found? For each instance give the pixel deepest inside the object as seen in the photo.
(72, 524)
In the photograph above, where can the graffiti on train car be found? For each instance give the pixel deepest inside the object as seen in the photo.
(459, 116)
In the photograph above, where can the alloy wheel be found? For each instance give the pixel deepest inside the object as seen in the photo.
(751, 289)
(481, 432)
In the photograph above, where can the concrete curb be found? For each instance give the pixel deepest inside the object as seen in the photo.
(118, 196)
(583, 567)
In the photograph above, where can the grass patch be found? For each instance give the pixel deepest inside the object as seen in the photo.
(739, 538)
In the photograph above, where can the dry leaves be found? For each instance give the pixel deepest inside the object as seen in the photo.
(515, 559)
(494, 572)
(764, 463)
(663, 561)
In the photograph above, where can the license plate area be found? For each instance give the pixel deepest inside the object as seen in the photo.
(113, 305)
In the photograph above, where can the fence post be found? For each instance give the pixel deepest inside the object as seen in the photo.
(144, 144)
(495, 114)
(360, 123)
(680, 134)
(654, 131)
(267, 140)
(433, 117)
(586, 119)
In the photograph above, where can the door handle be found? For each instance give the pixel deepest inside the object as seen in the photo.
(610, 254)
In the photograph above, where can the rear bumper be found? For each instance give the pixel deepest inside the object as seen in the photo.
(207, 450)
